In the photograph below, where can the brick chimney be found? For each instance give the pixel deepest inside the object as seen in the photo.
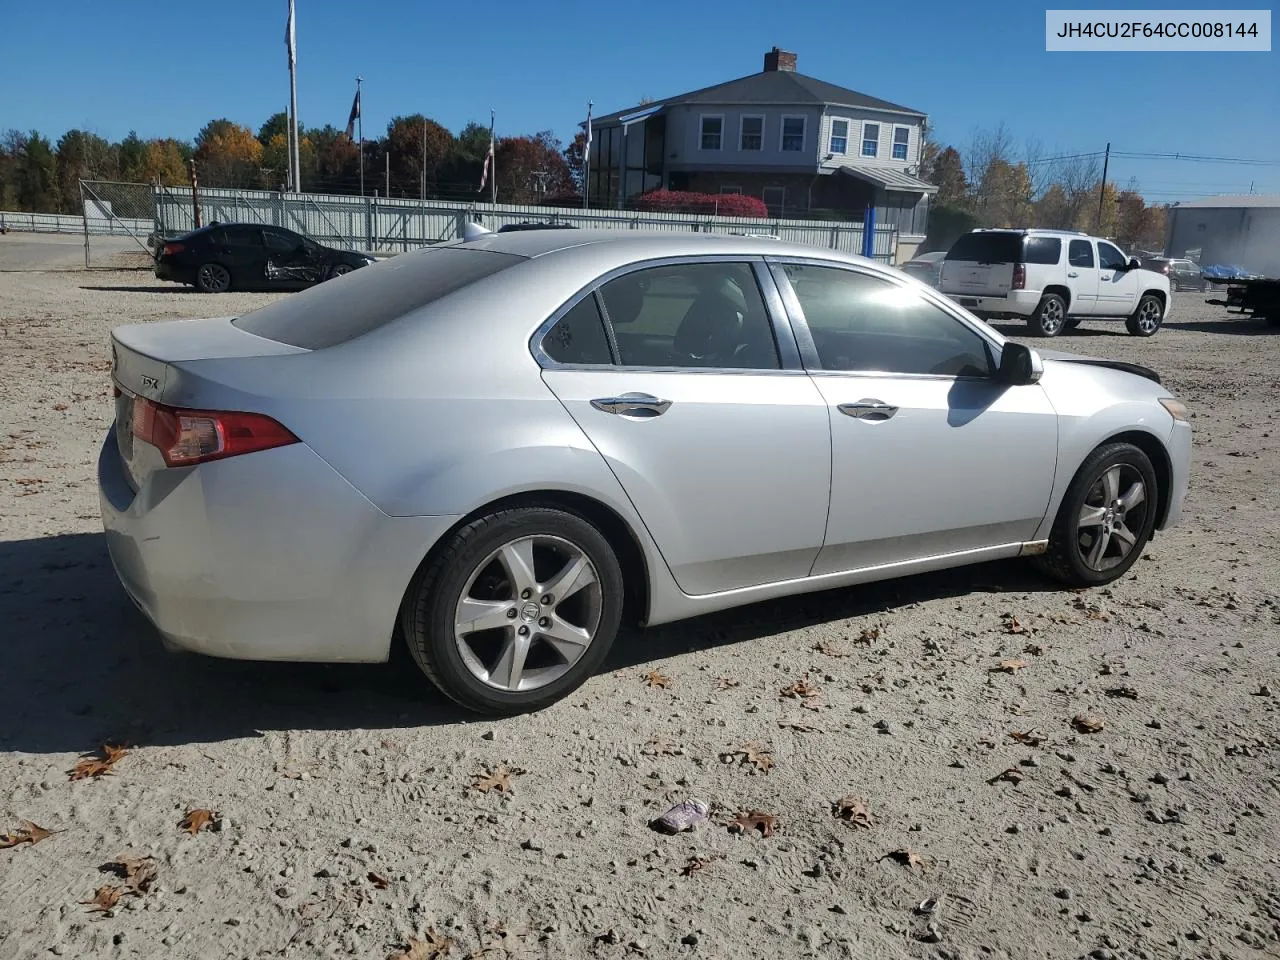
(776, 60)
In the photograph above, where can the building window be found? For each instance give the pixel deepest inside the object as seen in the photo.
(775, 198)
(839, 136)
(793, 133)
(751, 135)
(737, 190)
(870, 139)
(901, 137)
(712, 129)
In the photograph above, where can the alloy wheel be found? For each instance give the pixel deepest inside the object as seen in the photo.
(213, 277)
(1112, 517)
(1149, 315)
(1052, 316)
(528, 613)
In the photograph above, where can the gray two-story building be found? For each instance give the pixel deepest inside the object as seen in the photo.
(804, 146)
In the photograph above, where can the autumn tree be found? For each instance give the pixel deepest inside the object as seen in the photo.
(228, 155)
(1003, 196)
(531, 168)
(335, 161)
(165, 161)
(575, 155)
(414, 155)
(947, 174)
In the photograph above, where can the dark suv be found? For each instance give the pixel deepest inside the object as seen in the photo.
(250, 256)
(1183, 274)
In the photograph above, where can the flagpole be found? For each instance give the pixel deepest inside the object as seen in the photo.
(293, 107)
(493, 171)
(360, 121)
(586, 159)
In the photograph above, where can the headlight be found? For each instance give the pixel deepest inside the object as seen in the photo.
(1177, 409)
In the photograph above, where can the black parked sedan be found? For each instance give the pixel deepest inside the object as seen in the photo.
(249, 256)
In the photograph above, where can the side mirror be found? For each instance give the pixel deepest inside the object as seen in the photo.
(1019, 365)
(1134, 264)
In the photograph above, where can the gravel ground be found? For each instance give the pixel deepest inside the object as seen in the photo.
(345, 820)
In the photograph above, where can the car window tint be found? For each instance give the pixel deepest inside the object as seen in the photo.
(332, 313)
(987, 247)
(1080, 253)
(579, 336)
(1109, 258)
(244, 236)
(691, 315)
(1043, 249)
(863, 323)
(279, 242)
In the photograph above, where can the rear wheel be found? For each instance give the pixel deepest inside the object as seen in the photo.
(1106, 518)
(1146, 320)
(1050, 316)
(213, 278)
(517, 611)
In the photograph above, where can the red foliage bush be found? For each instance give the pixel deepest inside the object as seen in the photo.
(715, 204)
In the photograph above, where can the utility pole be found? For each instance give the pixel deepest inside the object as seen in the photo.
(295, 166)
(387, 156)
(1102, 188)
(424, 158)
(195, 194)
(360, 121)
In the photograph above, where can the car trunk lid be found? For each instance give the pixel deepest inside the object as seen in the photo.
(143, 359)
(981, 264)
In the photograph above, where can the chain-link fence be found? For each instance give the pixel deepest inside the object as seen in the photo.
(119, 223)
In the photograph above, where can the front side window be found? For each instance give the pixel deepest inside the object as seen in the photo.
(752, 133)
(279, 242)
(691, 315)
(901, 139)
(712, 129)
(861, 323)
(579, 336)
(870, 139)
(1080, 253)
(1109, 258)
(839, 136)
(793, 133)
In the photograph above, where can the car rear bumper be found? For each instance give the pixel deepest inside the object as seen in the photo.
(268, 556)
(1019, 303)
(165, 270)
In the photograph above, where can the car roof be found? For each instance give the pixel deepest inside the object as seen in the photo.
(643, 244)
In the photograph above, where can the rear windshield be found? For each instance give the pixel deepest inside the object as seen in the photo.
(987, 248)
(340, 310)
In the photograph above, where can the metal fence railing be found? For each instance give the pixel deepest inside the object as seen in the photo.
(144, 212)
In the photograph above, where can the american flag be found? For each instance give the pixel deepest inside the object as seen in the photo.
(290, 38)
(488, 157)
(355, 113)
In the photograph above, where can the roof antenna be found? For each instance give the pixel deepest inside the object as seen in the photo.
(473, 231)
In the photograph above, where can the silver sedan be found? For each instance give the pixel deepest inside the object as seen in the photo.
(498, 448)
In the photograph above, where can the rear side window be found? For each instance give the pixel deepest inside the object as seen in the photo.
(244, 236)
(1043, 250)
(987, 248)
(578, 336)
(1080, 253)
(333, 313)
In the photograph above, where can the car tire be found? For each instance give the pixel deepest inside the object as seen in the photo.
(213, 278)
(1147, 318)
(1049, 317)
(1096, 507)
(545, 646)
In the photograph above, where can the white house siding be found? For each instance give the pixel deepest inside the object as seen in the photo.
(884, 153)
(684, 137)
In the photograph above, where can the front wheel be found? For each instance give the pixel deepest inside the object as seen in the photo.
(1106, 518)
(1050, 316)
(517, 611)
(1146, 320)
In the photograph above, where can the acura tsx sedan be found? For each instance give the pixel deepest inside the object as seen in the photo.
(497, 449)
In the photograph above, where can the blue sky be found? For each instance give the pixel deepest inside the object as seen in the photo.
(167, 68)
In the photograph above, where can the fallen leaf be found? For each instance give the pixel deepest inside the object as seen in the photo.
(1064, 619)
(906, 856)
(379, 881)
(138, 873)
(654, 679)
(724, 683)
(59, 407)
(1094, 614)
(867, 635)
(1034, 649)
(801, 689)
(799, 726)
(753, 820)
(695, 864)
(1028, 737)
(431, 946)
(853, 810)
(1013, 625)
(28, 833)
(661, 746)
(1012, 775)
(89, 766)
(105, 898)
(195, 819)
(1087, 724)
(830, 650)
(756, 754)
(1127, 692)
(499, 779)
(1010, 666)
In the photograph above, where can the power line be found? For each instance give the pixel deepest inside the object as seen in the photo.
(1195, 158)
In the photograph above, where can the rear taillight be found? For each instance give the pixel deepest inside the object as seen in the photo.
(188, 437)
(172, 248)
(1019, 276)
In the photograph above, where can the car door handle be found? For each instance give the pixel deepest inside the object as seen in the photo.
(1105, 276)
(872, 410)
(1073, 274)
(633, 405)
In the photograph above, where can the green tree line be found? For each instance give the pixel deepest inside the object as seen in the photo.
(415, 157)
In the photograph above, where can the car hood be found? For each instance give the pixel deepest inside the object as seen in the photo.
(1134, 368)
